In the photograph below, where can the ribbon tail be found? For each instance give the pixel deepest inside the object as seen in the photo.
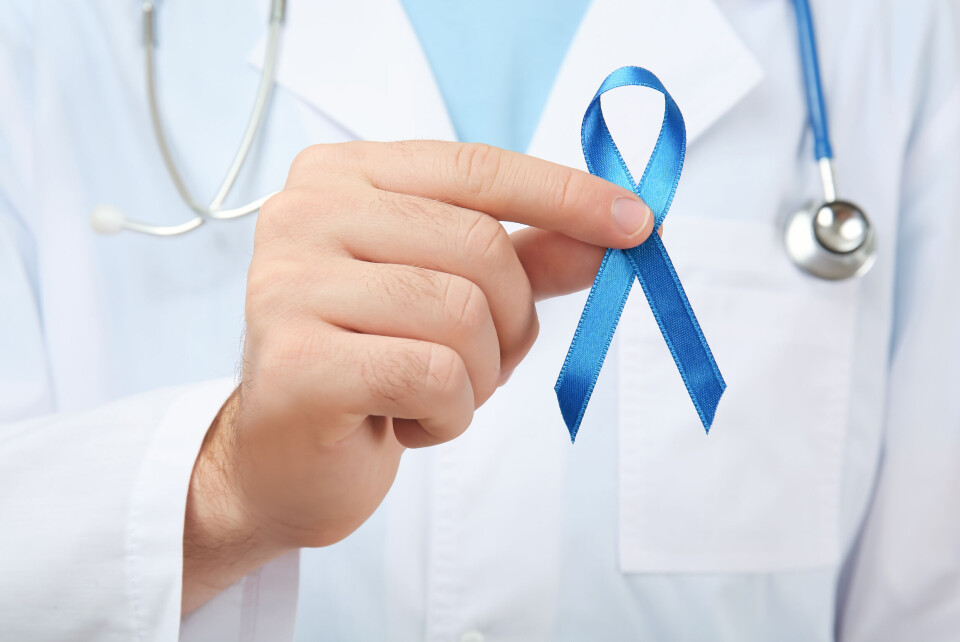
(679, 326)
(590, 344)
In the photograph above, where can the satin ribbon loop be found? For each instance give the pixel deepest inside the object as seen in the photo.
(648, 263)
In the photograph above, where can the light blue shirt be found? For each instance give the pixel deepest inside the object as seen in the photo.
(495, 61)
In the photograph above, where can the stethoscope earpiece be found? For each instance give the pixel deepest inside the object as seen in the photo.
(105, 219)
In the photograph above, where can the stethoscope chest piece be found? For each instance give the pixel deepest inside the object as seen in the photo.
(832, 240)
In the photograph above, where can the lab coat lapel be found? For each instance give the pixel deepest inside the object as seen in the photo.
(687, 43)
(360, 63)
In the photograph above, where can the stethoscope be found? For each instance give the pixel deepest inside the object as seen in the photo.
(109, 220)
(832, 239)
(829, 238)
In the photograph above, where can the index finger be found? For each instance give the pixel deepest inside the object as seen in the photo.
(510, 187)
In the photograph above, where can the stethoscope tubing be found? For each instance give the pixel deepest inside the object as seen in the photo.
(109, 220)
(816, 107)
(812, 235)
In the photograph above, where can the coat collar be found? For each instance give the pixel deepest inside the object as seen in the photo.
(361, 65)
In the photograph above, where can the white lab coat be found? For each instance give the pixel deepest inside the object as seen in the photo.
(823, 503)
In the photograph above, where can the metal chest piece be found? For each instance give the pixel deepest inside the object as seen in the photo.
(832, 239)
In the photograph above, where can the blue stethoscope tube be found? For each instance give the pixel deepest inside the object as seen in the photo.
(811, 80)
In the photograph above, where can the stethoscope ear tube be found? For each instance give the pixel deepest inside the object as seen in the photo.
(108, 220)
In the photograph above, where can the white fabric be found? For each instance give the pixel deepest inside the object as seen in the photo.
(818, 507)
(785, 319)
(93, 525)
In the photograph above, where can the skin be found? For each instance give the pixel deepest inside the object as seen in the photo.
(385, 303)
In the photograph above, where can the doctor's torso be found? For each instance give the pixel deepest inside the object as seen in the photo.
(646, 529)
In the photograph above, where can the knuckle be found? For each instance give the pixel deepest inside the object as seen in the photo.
(420, 374)
(305, 215)
(322, 159)
(279, 211)
(478, 166)
(444, 371)
(398, 374)
(273, 207)
(465, 304)
(485, 238)
(321, 156)
(561, 186)
(307, 160)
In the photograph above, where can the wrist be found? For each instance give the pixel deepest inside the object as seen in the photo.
(222, 541)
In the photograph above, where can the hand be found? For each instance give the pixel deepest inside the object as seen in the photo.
(385, 303)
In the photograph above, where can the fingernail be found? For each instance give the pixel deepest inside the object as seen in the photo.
(630, 214)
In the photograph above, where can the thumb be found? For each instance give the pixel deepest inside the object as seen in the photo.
(557, 264)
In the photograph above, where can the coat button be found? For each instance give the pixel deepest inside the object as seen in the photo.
(472, 636)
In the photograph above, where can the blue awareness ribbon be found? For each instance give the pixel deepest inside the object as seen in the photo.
(647, 262)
